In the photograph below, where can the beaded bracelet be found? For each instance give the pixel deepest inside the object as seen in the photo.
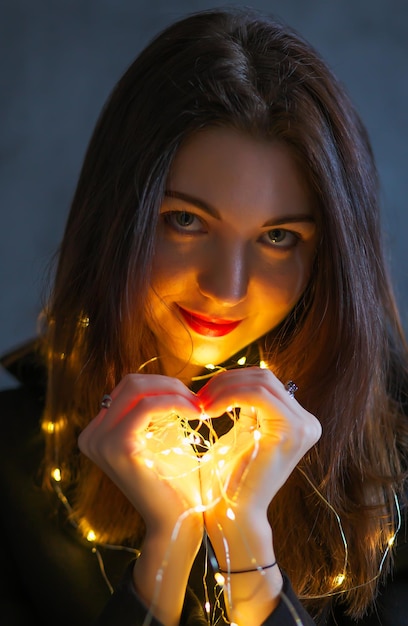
(246, 571)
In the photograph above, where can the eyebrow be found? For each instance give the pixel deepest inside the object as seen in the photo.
(208, 208)
(200, 204)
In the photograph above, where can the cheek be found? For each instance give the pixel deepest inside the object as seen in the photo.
(286, 283)
(169, 278)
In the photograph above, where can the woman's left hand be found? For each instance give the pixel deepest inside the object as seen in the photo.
(245, 468)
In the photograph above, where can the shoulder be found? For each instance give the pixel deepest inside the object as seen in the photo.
(21, 407)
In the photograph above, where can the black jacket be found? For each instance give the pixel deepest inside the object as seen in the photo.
(50, 576)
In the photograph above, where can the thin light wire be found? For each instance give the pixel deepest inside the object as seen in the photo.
(156, 432)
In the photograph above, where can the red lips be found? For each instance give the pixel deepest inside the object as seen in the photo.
(208, 326)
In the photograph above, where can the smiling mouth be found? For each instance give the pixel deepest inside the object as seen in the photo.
(208, 326)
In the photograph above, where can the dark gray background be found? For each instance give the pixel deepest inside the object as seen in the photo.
(59, 60)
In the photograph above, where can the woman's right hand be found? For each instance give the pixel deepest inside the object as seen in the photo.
(140, 443)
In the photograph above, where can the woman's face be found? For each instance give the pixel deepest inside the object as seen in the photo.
(234, 248)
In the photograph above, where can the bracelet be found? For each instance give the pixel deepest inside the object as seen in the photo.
(246, 571)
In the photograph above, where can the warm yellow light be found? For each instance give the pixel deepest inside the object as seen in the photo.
(391, 541)
(56, 474)
(91, 536)
(224, 449)
(200, 508)
(210, 366)
(263, 365)
(192, 438)
(219, 578)
(149, 462)
(242, 360)
(257, 435)
(339, 580)
(230, 513)
(84, 321)
(53, 427)
(207, 607)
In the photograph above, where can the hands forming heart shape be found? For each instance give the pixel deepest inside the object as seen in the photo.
(144, 443)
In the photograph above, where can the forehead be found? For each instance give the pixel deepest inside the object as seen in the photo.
(228, 168)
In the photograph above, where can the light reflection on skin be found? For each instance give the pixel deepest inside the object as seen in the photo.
(236, 241)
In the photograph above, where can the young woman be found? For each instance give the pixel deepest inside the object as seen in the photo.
(224, 241)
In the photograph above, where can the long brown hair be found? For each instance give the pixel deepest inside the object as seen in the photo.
(342, 343)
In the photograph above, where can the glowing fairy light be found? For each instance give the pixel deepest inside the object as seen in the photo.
(84, 321)
(210, 367)
(56, 474)
(200, 508)
(191, 439)
(224, 449)
(174, 435)
(230, 514)
(51, 427)
(339, 580)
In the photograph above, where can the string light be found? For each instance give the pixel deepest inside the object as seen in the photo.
(84, 321)
(219, 578)
(56, 474)
(184, 437)
(339, 579)
(230, 514)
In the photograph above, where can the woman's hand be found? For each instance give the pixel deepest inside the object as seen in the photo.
(140, 443)
(242, 473)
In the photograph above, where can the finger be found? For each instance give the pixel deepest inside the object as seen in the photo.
(138, 390)
(233, 379)
(263, 395)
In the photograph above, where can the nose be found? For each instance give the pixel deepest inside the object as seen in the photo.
(224, 277)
